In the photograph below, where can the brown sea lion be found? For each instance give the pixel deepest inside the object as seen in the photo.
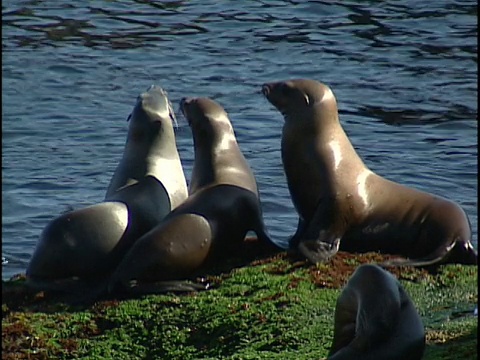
(211, 224)
(376, 319)
(342, 202)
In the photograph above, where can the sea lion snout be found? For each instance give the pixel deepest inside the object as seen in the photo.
(155, 100)
(275, 94)
(277, 89)
(184, 105)
(266, 88)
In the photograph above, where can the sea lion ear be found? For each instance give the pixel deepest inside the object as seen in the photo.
(307, 99)
(129, 117)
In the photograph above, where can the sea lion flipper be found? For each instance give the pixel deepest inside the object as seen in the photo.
(433, 258)
(320, 249)
(266, 244)
(318, 242)
(71, 290)
(263, 236)
(295, 239)
(148, 201)
(427, 261)
(163, 287)
(253, 207)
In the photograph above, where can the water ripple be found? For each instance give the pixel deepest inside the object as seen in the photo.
(404, 74)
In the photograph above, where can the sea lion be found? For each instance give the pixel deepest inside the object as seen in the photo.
(211, 224)
(376, 319)
(87, 244)
(150, 149)
(342, 202)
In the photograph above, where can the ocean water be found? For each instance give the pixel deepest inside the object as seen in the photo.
(404, 74)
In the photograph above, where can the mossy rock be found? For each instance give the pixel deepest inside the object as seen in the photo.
(275, 308)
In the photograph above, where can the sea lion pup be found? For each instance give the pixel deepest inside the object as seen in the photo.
(341, 202)
(376, 319)
(211, 224)
(87, 244)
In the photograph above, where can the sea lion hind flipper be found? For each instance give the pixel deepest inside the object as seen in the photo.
(71, 290)
(461, 252)
(435, 258)
(410, 262)
(167, 286)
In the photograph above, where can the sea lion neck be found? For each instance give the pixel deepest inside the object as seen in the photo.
(214, 145)
(213, 133)
(317, 122)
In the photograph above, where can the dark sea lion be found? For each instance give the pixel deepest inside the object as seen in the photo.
(211, 224)
(342, 202)
(376, 319)
(87, 244)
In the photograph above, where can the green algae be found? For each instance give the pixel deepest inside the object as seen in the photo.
(272, 309)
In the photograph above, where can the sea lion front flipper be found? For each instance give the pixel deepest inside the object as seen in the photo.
(321, 249)
(318, 242)
(266, 246)
(254, 210)
(295, 239)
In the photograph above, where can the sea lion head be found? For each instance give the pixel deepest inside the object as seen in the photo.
(207, 118)
(299, 98)
(153, 106)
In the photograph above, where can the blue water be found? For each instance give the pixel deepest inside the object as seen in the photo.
(404, 74)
